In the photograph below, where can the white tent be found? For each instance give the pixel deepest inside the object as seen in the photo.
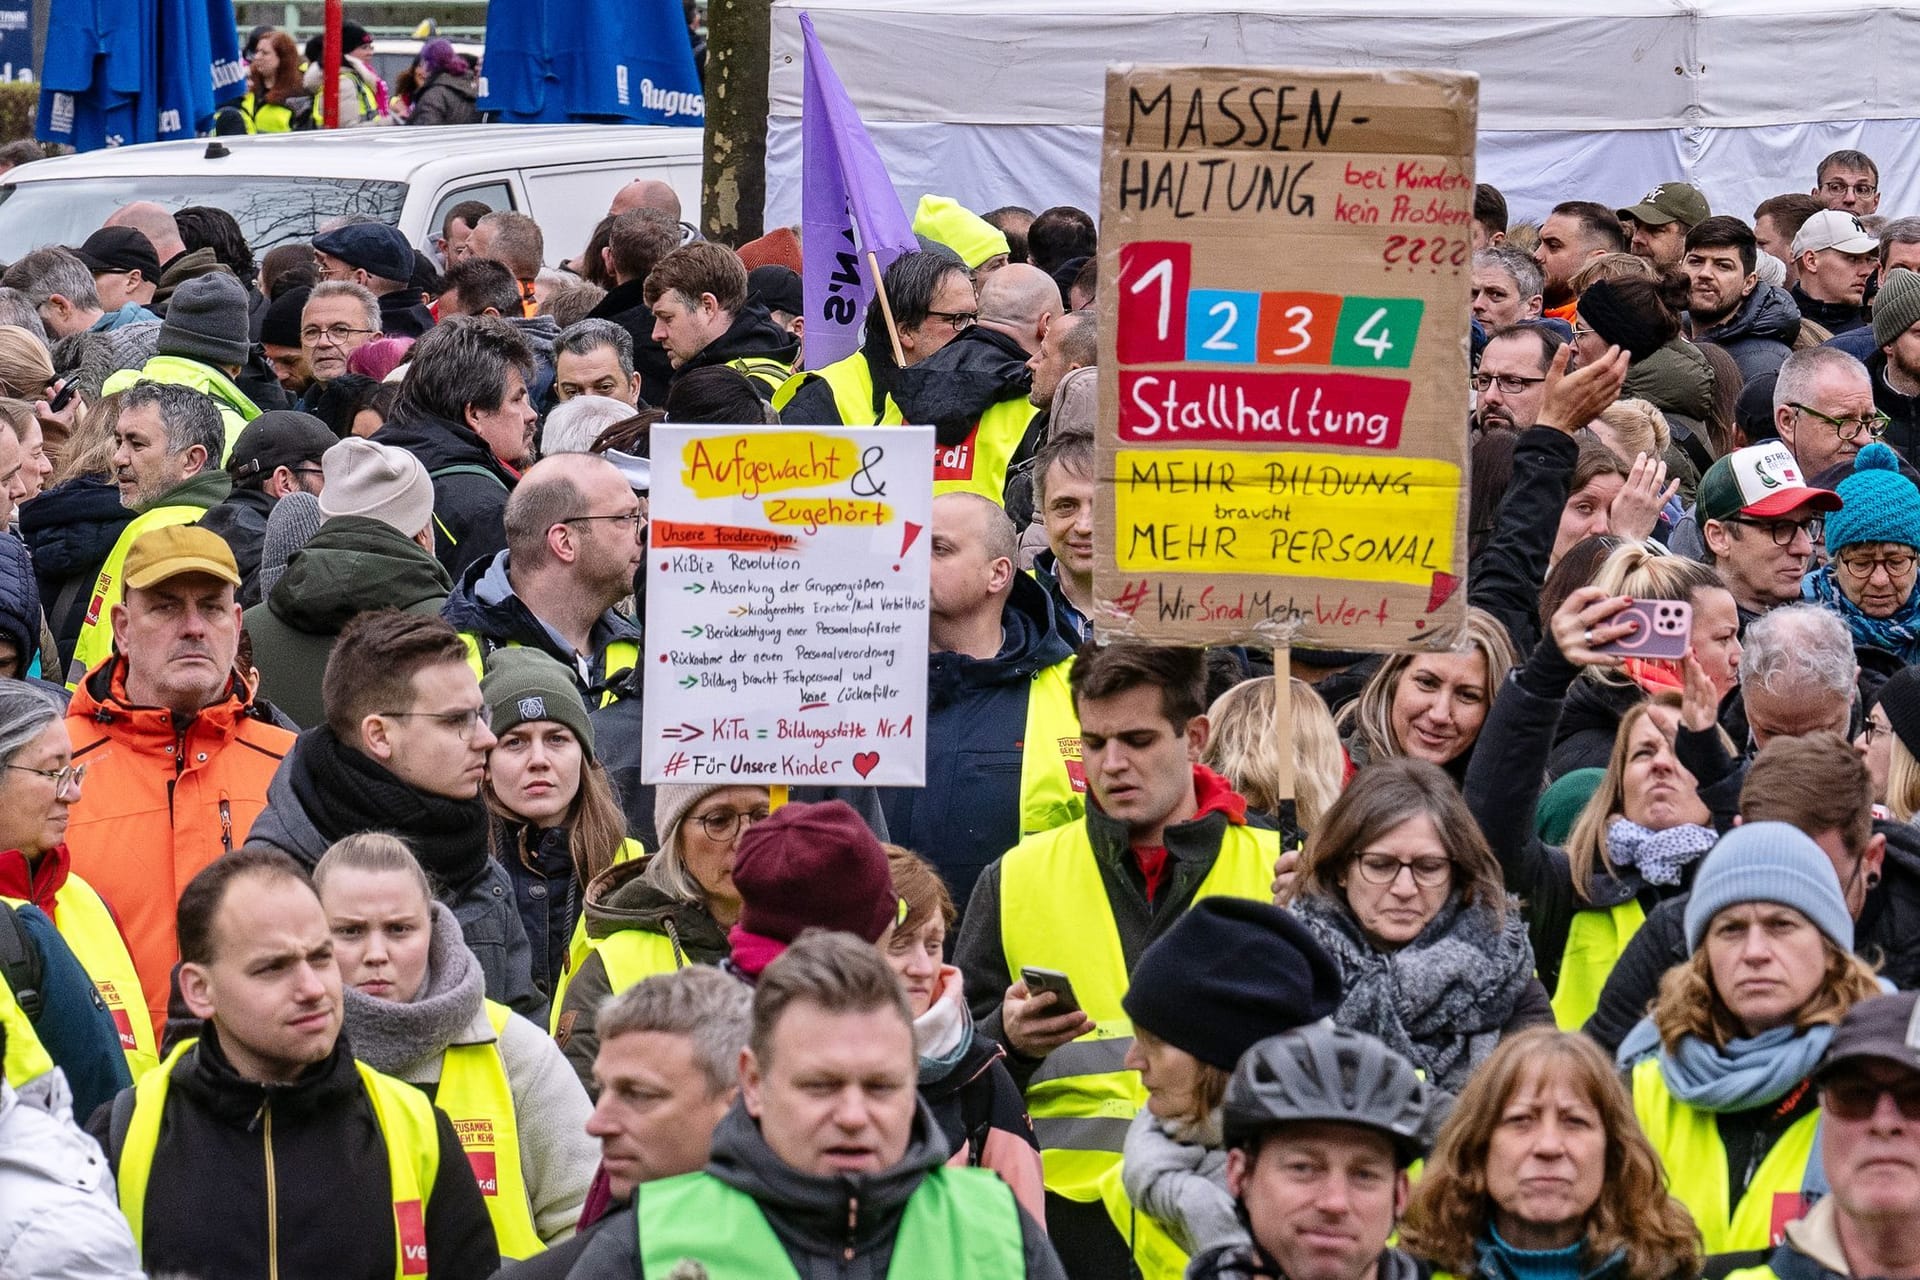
(999, 101)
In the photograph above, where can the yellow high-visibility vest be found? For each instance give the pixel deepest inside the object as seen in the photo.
(84, 922)
(1595, 941)
(476, 1095)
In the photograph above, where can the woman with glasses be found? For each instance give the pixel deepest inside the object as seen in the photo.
(1400, 889)
(1873, 548)
(554, 824)
(663, 912)
(1721, 1070)
(39, 784)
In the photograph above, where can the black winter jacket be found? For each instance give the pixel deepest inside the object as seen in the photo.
(626, 305)
(545, 892)
(1589, 722)
(752, 336)
(482, 602)
(838, 1228)
(1503, 788)
(956, 384)
(968, 814)
(242, 521)
(1505, 579)
(20, 615)
(446, 99)
(1887, 934)
(402, 315)
(1760, 334)
(1903, 412)
(71, 529)
(1835, 317)
(469, 507)
(233, 1149)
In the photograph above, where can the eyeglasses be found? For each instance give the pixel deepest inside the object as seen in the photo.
(1857, 1097)
(1510, 384)
(1898, 564)
(1874, 424)
(1384, 868)
(332, 335)
(1581, 330)
(721, 824)
(632, 519)
(461, 722)
(958, 319)
(1871, 730)
(1783, 532)
(70, 776)
(1835, 187)
(309, 471)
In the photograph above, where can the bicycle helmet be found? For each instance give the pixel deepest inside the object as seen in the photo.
(1330, 1074)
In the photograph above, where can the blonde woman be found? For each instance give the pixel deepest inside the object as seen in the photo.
(1241, 748)
(1431, 705)
(1631, 428)
(1721, 1072)
(1636, 841)
(1897, 745)
(26, 370)
(1542, 1169)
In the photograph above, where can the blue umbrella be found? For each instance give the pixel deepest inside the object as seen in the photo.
(550, 61)
(97, 70)
(517, 79)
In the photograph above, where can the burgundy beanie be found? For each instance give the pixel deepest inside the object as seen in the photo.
(813, 866)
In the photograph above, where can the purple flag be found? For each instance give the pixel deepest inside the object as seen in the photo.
(847, 207)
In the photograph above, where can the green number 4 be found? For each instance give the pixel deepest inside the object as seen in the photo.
(1377, 333)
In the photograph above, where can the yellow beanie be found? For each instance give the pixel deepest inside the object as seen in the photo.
(961, 230)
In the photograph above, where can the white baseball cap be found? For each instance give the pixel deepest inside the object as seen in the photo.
(1834, 229)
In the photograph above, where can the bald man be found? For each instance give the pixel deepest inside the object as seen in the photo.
(1003, 746)
(976, 390)
(651, 193)
(575, 539)
(176, 264)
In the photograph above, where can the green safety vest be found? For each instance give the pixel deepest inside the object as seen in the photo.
(405, 1117)
(1054, 915)
(478, 1098)
(959, 1224)
(1053, 780)
(1595, 941)
(771, 374)
(1689, 1144)
(621, 655)
(850, 380)
(95, 644)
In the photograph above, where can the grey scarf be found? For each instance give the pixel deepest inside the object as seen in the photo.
(395, 1038)
(1442, 999)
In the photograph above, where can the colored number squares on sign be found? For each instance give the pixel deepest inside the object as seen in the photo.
(1377, 333)
(1154, 278)
(1223, 325)
(1297, 328)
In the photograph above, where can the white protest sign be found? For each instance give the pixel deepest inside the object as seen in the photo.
(787, 597)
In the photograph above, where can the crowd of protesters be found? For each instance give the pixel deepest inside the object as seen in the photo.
(342, 935)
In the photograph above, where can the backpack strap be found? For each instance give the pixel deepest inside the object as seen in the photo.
(20, 965)
(466, 469)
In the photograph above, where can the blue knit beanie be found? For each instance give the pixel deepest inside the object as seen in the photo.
(1769, 862)
(1881, 504)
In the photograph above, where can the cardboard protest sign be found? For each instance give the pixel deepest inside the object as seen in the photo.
(787, 605)
(1284, 264)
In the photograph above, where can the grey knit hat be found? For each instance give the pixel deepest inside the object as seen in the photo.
(379, 481)
(207, 320)
(1896, 308)
(1769, 862)
(671, 800)
(525, 684)
(293, 520)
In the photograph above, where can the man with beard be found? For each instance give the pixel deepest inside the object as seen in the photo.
(1511, 382)
(1755, 323)
(574, 530)
(1659, 224)
(1574, 233)
(1895, 366)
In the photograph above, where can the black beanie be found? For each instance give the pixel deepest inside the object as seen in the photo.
(1624, 318)
(281, 327)
(1230, 973)
(1899, 697)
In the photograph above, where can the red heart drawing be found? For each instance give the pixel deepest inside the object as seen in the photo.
(865, 762)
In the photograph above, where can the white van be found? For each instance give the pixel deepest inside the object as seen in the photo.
(281, 187)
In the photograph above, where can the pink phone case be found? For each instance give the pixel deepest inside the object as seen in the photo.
(1665, 630)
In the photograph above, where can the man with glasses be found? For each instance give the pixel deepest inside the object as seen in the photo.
(1760, 521)
(1823, 411)
(1869, 1083)
(575, 539)
(1836, 255)
(340, 318)
(1510, 386)
(279, 453)
(379, 259)
(179, 755)
(404, 750)
(1848, 181)
(933, 303)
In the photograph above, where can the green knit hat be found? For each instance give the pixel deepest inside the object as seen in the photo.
(526, 684)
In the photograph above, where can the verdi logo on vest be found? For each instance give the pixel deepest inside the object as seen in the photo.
(117, 1006)
(476, 1139)
(955, 461)
(1076, 767)
(407, 1216)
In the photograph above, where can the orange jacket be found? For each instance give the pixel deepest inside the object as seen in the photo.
(161, 802)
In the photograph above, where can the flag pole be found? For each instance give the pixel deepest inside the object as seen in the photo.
(886, 309)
